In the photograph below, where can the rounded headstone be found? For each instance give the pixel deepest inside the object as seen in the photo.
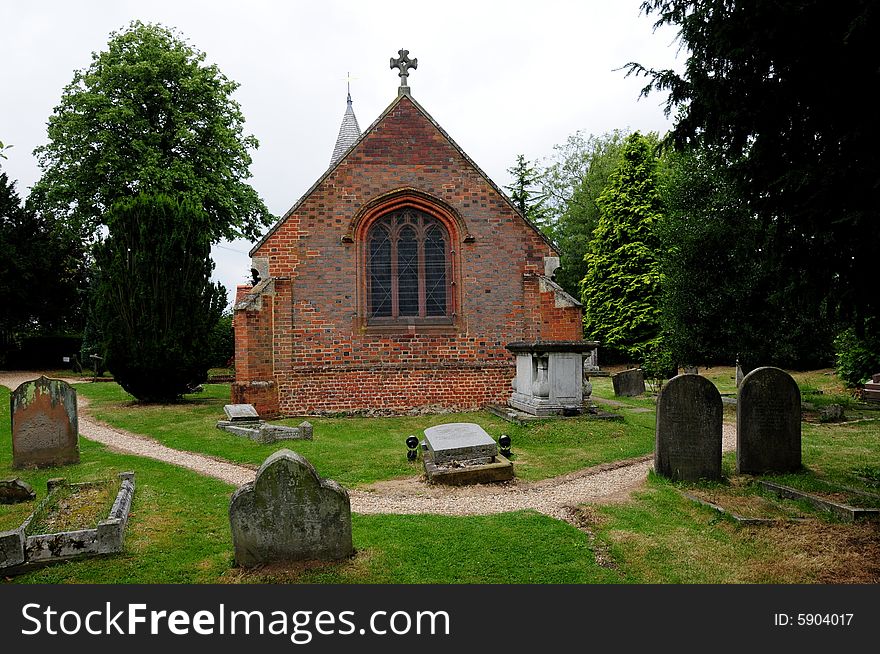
(768, 423)
(687, 443)
(44, 424)
(288, 513)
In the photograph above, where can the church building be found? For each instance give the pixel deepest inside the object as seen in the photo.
(395, 283)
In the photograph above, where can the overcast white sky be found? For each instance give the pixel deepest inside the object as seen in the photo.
(502, 77)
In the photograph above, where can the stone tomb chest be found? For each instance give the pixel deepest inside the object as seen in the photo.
(550, 375)
(460, 453)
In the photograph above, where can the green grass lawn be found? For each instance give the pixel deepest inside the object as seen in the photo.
(358, 451)
(179, 533)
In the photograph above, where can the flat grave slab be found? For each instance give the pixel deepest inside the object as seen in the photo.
(241, 413)
(460, 453)
(460, 441)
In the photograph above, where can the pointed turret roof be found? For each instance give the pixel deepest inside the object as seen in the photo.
(349, 133)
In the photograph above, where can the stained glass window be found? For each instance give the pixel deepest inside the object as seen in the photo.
(408, 266)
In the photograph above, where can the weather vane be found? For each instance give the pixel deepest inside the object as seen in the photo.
(403, 63)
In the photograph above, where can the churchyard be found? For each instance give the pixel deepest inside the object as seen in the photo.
(662, 531)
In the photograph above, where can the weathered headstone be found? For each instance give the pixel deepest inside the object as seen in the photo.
(44, 424)
(15, 491)
(629, 383)
(288, 513)
(768, 422)
(871, 392)
(687, 443)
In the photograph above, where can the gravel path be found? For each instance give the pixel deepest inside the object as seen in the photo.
(553, 497)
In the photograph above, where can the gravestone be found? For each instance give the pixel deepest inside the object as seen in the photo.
(461, 453)
(549, 376)
(687, 444)
(768, 423)
(871, 392)
(460, 441)
(14, 491)
(629, 383)
(44, 424)
(241, 413)
(288, 513)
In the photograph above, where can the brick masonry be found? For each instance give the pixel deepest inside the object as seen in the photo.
(303, 345)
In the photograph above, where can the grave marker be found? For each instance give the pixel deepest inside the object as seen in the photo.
(768, 423)
(688, 434)
(44, 424)
(288, 513)
(629, 383)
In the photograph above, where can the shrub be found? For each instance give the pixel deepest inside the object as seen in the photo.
(858, 356)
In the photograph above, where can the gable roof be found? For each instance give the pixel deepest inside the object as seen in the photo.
(366, 132)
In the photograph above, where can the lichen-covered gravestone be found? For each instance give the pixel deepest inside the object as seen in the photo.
(44, 424)
(288, 513)
(688, 436)
(768, 423)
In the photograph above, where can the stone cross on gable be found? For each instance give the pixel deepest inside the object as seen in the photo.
(403, 63)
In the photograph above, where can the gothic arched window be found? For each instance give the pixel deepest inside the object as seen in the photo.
(408, 272)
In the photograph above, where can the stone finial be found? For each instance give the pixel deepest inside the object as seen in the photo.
(403, 63)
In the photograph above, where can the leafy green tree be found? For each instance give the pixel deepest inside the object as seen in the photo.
(572, 181)
(858, 356)
(149, 116)
(621, 289)
(784, 90)
(525, 192)
(155, 300)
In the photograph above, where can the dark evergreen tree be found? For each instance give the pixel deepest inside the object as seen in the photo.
(621, 289)
(42, 270)
(155, 300)
(784, 91)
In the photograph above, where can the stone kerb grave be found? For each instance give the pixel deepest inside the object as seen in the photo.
(44, 424)
(21, 550)
(629, 383)
(768, 423)
(688, 436)
(243, 420)
(460, 453)
(288, 513)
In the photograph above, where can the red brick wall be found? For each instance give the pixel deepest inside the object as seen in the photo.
(254, 359)
(323, 355)
(559, 323)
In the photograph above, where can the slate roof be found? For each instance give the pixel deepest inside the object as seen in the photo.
(349, 133)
